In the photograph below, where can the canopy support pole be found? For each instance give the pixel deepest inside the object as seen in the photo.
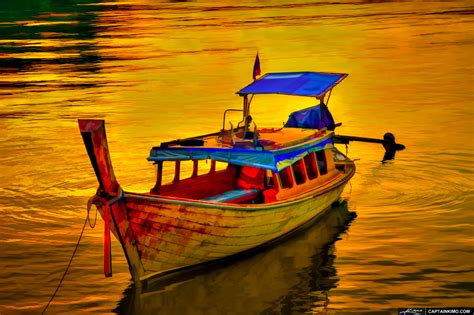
(177, 171)
(213, 167)
(246, 107)
(195, 169)
(329, 96)
(159, 173)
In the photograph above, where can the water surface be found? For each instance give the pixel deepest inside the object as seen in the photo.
(158, 71)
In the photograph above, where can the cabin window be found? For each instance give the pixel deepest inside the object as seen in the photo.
(286, 178)
(167, 171)
(186, 169)
(322, 163)
(310, 164)
(221, 166)
(299, 172)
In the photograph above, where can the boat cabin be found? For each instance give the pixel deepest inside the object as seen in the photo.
(263, 165)
(245, 179)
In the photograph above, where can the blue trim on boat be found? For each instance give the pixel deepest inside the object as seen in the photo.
(274, 160)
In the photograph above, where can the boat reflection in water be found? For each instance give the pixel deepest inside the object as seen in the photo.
(293, 277)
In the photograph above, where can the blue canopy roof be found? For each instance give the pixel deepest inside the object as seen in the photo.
(314, 84)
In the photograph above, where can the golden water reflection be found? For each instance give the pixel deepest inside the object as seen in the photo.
(158, 71)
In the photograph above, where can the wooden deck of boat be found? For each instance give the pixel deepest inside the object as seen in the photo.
(288, 135)
(279, 137)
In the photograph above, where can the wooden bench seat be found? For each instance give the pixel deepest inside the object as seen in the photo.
(234, 196)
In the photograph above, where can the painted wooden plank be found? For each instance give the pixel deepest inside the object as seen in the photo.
(184, 248)
(205, 216)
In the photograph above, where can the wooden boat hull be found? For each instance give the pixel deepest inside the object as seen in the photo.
(172, 235)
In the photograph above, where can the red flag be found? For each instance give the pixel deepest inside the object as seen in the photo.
(256, 67)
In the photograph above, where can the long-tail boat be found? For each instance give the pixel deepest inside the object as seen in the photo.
(276, 180)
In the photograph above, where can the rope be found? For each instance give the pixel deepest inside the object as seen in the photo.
(118, 196)
(92, 200)
(67, 268)
(98, 202)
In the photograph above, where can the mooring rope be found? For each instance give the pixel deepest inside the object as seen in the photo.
(67, 268)
(94, 200)
(89, 205)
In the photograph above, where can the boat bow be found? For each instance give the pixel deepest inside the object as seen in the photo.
(114, 212)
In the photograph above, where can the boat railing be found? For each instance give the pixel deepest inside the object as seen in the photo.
(225, 114)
